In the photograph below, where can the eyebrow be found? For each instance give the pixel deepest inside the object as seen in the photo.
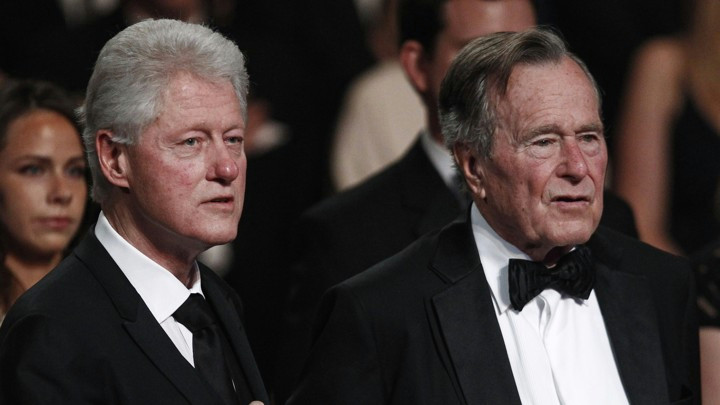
(46, 160)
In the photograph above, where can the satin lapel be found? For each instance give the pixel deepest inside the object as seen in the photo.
(140, 323)
(230, 319)
(424, 192)
(628, 311)
(467, 323)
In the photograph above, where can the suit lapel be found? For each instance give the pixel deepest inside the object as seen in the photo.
(630, 320)
(467, 323)
(140, 323)
(425, 193)
(475, 348)
(226, 312)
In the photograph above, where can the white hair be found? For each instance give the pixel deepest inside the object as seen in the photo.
(132, 74)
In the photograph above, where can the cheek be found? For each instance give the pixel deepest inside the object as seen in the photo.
(599, 167)
(80, 196)
(170, 180)
(17, 207)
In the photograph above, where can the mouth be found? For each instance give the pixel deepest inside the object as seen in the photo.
(222, 200)
(56, 223)
(571, 199)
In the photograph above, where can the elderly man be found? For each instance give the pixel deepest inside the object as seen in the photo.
(348, 233)
(527, 301)
(130, 317)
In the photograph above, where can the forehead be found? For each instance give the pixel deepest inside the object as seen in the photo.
(469, 19)
(41, 132)
(185, 90)
(189, 102)
(553, 93)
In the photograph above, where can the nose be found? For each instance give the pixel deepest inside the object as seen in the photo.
(575, 164)
(59, 192)
(225, 166)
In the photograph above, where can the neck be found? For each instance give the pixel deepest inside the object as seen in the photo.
(551, 257)
(536, 251)
(547, 256)
(167, 250)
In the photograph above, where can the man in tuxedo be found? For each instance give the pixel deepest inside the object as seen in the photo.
(527, 300)
(356, 229)
(130, 316)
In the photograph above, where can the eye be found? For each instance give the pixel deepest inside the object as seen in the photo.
(588, 137)
(233, 140)
(190, 142)
(77, 171)
(543, 142)
(32, 170)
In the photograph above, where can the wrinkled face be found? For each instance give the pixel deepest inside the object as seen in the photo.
(42, 183)
(466, 20)
(186, 175)
(543, 185)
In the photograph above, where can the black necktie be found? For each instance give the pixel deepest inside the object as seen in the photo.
(196, 315)
(573, 275)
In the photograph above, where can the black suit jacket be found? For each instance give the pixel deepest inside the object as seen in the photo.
(356, 229)
(420, 328)
(83, 335)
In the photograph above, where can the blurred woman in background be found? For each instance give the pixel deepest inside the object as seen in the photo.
(43, 185)
(667, 162)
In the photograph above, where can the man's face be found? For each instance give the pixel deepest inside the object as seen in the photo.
(466, 20)
(186, 175)
(542, 187)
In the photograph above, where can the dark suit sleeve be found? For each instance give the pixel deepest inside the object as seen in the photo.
(343, 367)
(40, 363)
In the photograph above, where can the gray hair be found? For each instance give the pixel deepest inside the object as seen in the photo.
(132, 74)
(479, 75)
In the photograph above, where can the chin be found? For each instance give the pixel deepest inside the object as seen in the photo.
(217, 237)
(573, 233)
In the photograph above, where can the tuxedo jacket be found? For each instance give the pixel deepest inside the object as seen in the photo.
(356, 229)
(83, 335)
(420, 327)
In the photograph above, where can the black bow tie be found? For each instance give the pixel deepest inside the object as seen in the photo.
(573, 275)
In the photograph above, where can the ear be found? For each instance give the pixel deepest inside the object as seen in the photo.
(415, 64)
(112, 157)
(470, 164)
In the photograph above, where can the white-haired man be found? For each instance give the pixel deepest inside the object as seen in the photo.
(130, 317)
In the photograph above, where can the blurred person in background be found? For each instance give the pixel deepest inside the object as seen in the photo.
(667, 164)
(381, 113)
(43, 188)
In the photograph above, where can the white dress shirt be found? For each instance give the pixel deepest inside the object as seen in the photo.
(557, 345)
(161, 291)
(377, 123)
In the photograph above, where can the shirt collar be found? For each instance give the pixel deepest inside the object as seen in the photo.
(440, 158)
(161, 291)
(495, 253)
